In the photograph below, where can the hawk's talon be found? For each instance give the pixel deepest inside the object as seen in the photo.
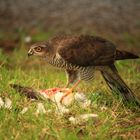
(69, 91)
(66, 94)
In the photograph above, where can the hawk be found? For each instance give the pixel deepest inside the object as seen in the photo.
(81, 55)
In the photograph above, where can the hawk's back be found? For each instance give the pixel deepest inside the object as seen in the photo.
(85, 50)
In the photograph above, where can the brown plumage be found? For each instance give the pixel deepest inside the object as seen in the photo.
(27, 91)
(94, 50)
(81, 55)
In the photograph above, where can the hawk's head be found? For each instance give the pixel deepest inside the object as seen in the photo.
(41, 49)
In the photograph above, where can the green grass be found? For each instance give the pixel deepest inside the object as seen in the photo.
(115, 123)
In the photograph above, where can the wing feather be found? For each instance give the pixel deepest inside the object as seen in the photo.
(87, 51)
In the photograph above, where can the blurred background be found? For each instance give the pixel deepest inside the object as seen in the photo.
(36, 20)
(23, 22)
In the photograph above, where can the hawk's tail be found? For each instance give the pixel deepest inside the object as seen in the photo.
(116, 83)
(120, 55)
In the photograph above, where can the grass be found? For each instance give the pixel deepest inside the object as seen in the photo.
(115, 121)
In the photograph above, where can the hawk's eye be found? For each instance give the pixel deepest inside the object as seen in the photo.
(38, 49)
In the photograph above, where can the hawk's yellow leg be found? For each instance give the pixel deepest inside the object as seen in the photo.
(70, 90)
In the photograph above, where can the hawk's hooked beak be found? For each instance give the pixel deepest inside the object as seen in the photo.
(30, 52)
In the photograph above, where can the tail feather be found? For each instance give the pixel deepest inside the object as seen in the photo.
(115, 82)
(120, 55)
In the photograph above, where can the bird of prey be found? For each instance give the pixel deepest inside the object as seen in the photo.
(81, 55)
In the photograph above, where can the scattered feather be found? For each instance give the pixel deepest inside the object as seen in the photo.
(82, 118)
(40, 109)
(1, 102)
(103, 108)
(8, 103)
(24, 110)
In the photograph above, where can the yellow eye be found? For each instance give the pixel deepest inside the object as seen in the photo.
(38, 49)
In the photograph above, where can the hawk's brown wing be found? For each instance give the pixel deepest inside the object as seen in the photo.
(87, 51)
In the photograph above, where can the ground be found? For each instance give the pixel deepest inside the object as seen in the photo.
(115, 121)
